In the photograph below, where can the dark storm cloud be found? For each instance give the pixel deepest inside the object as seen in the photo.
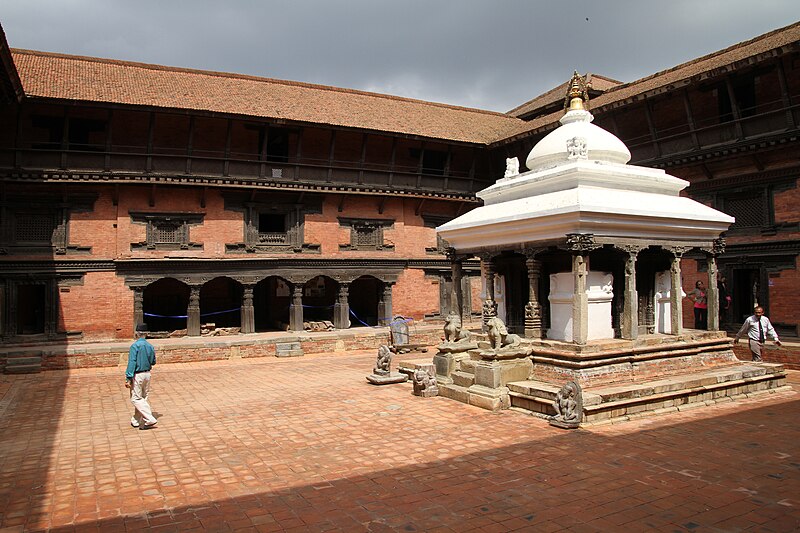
(487, 54)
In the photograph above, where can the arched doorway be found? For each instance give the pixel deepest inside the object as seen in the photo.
(319, 297)
(271, 299)
(221, 303)
(363, 298)
(164, 303)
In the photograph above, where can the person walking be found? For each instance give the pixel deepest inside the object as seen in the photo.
(698, 296)
(757, 327)
(141, 358)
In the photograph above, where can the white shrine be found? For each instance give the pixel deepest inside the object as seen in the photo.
(590, 249)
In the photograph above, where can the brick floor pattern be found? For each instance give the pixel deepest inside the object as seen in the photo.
(306, 444)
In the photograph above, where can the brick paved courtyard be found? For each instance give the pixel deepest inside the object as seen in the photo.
(307, 444)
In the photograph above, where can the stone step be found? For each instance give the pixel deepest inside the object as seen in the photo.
(22, 361)
(23, 369)
(454, 392)
(462, 379)
(19, 363)
(622, 400)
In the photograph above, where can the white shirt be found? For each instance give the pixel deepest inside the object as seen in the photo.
(750, 327)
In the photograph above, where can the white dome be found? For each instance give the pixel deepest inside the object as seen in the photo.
(577, 138)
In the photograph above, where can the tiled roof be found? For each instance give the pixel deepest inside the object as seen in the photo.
(58, 76)
(706, 66)
(598, 83)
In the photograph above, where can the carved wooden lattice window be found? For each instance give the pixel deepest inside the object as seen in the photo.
(34, 227)
(366, 234)
(167, 231)
(749, 208)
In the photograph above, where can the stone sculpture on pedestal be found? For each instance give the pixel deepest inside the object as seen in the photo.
(569, 406)
(382, 374)
(502, 344)
(424, 381)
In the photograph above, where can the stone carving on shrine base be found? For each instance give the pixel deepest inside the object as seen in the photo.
(512, 167)
(569, 406)
(424, 381)
(382, 374)
(502, 344)
(456, 339)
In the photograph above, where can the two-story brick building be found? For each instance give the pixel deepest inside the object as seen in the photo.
(134, 192)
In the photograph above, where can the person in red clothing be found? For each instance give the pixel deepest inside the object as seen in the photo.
(698, 296)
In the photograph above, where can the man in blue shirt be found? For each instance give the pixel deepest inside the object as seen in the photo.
(757, 327)
(141, 358)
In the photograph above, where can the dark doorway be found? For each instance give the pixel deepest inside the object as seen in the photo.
(271, 299)
(515, 273)
(319, 297)
(30, 309)
(745, 292)
(165, 304)
(221, 303)
(363, 298)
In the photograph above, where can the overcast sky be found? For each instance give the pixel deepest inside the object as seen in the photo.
(485, 54)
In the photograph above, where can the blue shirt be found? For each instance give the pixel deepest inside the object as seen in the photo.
(141, 358)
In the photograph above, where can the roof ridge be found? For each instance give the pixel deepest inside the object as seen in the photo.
(696, 60)
(250, 77)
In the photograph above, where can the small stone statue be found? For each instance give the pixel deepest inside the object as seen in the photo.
(381, 374)
(424, 382)
(512, 167)
(383, 362)
(569, 406)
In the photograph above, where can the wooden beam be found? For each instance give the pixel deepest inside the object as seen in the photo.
(419, 164)
(649, 117)
(152, 202)
(227, 164)
(203, 193)
(262, 151)
(419, 207)
(758, 163)
(737, 117)
(706, 171)
(330, 156)
(785, 98)
(341, 203)
(363, 158)
(687, 105)
(65, 138)
(107, 158)
(189, 145)
(298, 154)
(382, 204)
(392, 160)
(150, 134)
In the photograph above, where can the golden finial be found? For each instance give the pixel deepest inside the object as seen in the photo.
(577, 93)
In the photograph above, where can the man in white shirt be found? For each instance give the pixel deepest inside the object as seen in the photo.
(757, 327)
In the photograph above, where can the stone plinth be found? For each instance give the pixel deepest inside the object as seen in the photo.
(446, 363)
(388, 379)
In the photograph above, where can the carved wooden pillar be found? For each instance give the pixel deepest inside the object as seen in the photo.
(248, 311)
(341, 309)
(630, 308)
(712, 294)
(385, 305)
(296, 308)
(580, 300)
(675, 299)
(193, 312)
(533, 309)
(457, 298)
(489, 305)
(138, 306)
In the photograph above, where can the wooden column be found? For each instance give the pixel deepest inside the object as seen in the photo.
(675, 299)
(385, 305)
(580, 300)
(193, 312)
(533, 309)
(712, 295)
(248, 311)
(341, 309)
(296, 308)
(630, 309)
(138, 306)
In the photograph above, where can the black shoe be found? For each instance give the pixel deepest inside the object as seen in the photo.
(148, 426)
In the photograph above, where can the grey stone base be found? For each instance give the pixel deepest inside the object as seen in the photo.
(394, 377)
(608, 403)
(288, 349)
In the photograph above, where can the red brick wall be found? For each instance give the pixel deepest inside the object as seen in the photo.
(415, 295)
(101, 308)
(787, 355)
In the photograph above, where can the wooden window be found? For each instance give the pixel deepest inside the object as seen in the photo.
(166, 231)
(366, 234)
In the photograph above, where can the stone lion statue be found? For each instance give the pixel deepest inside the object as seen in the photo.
(452, 329)
(499, 337)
